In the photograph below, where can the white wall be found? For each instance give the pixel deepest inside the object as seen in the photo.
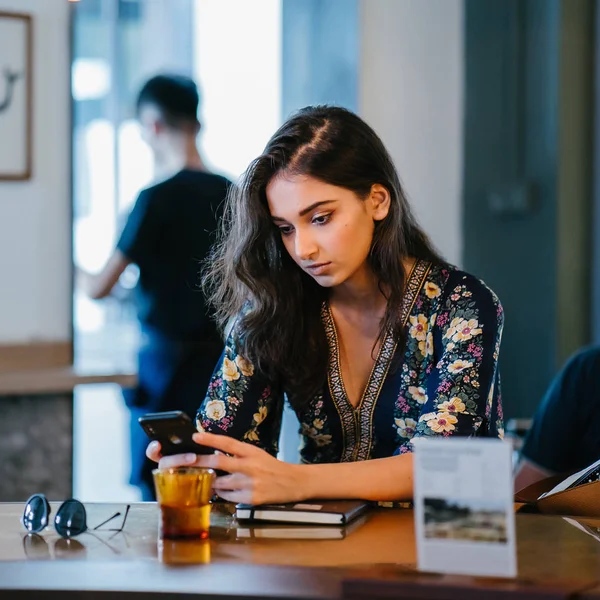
(35, 252)
(411, 92)
(249, 58)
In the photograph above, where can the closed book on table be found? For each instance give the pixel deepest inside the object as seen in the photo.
(298, 531)
(326, 512)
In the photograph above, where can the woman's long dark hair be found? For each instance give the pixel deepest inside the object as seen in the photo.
(282, 332)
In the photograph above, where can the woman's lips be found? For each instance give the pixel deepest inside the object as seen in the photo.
(318, 268)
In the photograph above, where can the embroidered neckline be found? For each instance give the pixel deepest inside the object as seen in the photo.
(357, 423)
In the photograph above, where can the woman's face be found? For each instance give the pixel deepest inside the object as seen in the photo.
(326, 229)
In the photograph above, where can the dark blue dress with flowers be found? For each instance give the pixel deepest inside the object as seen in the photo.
(443, 381)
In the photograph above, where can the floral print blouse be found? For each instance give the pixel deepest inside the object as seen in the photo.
(444, 380)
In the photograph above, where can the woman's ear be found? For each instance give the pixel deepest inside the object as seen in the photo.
(379, 201)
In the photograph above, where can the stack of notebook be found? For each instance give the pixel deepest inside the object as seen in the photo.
(322, 520)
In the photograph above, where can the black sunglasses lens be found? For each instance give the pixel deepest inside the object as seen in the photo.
(36, 513)
(70, 519)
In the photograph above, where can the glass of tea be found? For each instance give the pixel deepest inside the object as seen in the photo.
(183, 494)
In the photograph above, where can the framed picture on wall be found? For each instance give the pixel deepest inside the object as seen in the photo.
(15, 96)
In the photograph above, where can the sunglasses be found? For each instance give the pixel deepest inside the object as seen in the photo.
(70, 519)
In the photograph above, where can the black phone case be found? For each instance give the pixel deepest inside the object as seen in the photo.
(173, 430)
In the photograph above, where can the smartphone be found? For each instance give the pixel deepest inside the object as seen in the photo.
(174, 430)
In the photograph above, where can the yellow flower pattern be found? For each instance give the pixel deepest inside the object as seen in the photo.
(454, 405)
(418, 393)
(459, 365)
(319, 439)
(426, 346)
(419, 327)
(260, 416)
(465, 330)
(406, 427)
(230, 370)
(442, 422)
(432, 290)
(215, 410)
(245, 366)
(251, 436)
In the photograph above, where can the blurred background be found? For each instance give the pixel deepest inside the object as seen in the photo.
(488, 107)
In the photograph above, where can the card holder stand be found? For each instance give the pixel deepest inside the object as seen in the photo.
(578, 500)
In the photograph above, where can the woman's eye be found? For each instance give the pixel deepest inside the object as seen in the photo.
(286, 229)
(321, 219)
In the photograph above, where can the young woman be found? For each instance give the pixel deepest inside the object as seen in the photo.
(340, 302)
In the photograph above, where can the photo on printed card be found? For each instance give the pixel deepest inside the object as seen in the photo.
(472, 520)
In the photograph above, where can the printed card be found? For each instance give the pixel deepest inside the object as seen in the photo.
(464, 515)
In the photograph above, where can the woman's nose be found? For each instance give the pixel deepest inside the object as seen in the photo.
(305, 246)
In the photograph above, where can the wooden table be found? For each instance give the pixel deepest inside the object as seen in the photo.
(556, 560)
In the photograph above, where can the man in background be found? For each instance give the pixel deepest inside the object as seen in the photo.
(564, 435)
(167, 235)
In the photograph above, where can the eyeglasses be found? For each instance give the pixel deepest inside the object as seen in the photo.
(70, 519)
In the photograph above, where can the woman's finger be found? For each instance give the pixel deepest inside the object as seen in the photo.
(178, 460)
(219, 461)
(223, 443)
(153, 451)
(234, 482)
(237, 497)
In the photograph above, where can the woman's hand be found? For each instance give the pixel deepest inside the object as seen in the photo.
(175, 460)
(153, 451)
(254, 476)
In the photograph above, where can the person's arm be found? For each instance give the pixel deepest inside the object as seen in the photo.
(527, 473)
(139, 236)
(99, 285)
(259, 478)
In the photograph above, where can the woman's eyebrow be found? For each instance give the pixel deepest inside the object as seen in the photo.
(308, 209)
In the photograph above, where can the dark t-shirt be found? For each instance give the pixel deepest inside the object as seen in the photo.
(168, 234)
(564, 435)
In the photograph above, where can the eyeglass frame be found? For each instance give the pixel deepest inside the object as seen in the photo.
(66, 532)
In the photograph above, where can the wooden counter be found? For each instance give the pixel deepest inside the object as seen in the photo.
(60, 379)
(45, 368)
(377, 559)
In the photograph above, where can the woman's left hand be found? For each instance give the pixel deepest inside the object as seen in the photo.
(255, 477)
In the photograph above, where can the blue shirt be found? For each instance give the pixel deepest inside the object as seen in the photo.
(168, 234)
(564, 435)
